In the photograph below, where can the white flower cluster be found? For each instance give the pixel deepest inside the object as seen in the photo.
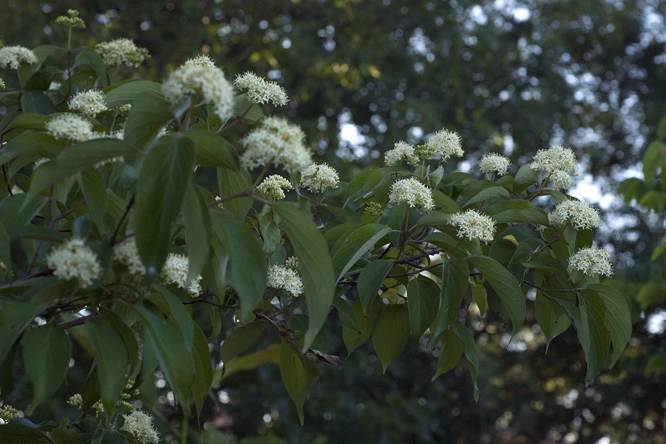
(580, 214)
(591, 261)
(175, 272)
(74, 259)
(283, 278)
(122, 51)
(559, 162)
(276, 142)
(202, 60)
(140, 425)
(207, 79)
(272, 186)
(15, 56)
(292, 262)
(413, 193)
(259, 90)
(88, 102)
(473, 225)
(127, 254)
(318, 177)
(401, 151)
(492, 162)
(446, 144)
(70, 126)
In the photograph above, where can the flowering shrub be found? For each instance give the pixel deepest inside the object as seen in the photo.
(105, 229)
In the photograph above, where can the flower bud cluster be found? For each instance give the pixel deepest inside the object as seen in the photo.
(122, 52)
(201, 77)
(591, 261)
(560, 163)
(284, 278)
(491, 163)
(273, 186)
(71, 20)
(413, 193)
(579, 214)
(259, 90)
(7, 413)
(88, 102)
(276, 142)
(473, 225)
(16, 56)
(140, 425)
(74, 259)
(318, 177)
(401, 151)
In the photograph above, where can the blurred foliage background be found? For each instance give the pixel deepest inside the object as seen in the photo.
(511, 76)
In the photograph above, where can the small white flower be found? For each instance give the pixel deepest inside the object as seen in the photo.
(446, 144)
(74, 259)
(413, 193)
(15, 56)
(194, 78)
(259, 90)
(561, 180)
(490, 163)
(70, 126)
(88, 102)
(473, 225)
(140, 425)
(202, 60)
(122, 51)
(559, 162)
(318, 177)
(272, 186)
(591, 261)
(283, 278)
(401, 151)
(276, 142)
(174, 272)
(127, 254)
(579, 214)
(292, 262)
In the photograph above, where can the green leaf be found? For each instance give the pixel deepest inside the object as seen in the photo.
(230, 183)
(146, 119)
(214, 150)
(617, 319)
(444, 202)
(651, 295)
(36, 102)
(422, 302)
(349, 249)
(14, 319)
(198, 226)
(112, 361)
(632, 188)
(241, 105)
(126, 334)
(25, 72)
(365, 325)
(64, 433)
(125, 92)
(506, 286)
(248, 362)
(654, 159)
(46, 354)
(592, 332)
(552, 319)
(163, 180)
(370, 281)
(315, 265)
(449, 353)
(175, 359)
(525, 177)
(298, 375)
(246, 272)
(481, 191)
(471, 353)
(517, 211)
(88, 55)
(391, 334)
(203, 368)
(6, 371)
(174, 310)
(240, 340)
(455, 276)
(94, 191)
(22, 434)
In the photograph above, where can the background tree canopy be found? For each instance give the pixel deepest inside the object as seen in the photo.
(510, 77)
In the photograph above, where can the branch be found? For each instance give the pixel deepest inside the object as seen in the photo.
(76, 322)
